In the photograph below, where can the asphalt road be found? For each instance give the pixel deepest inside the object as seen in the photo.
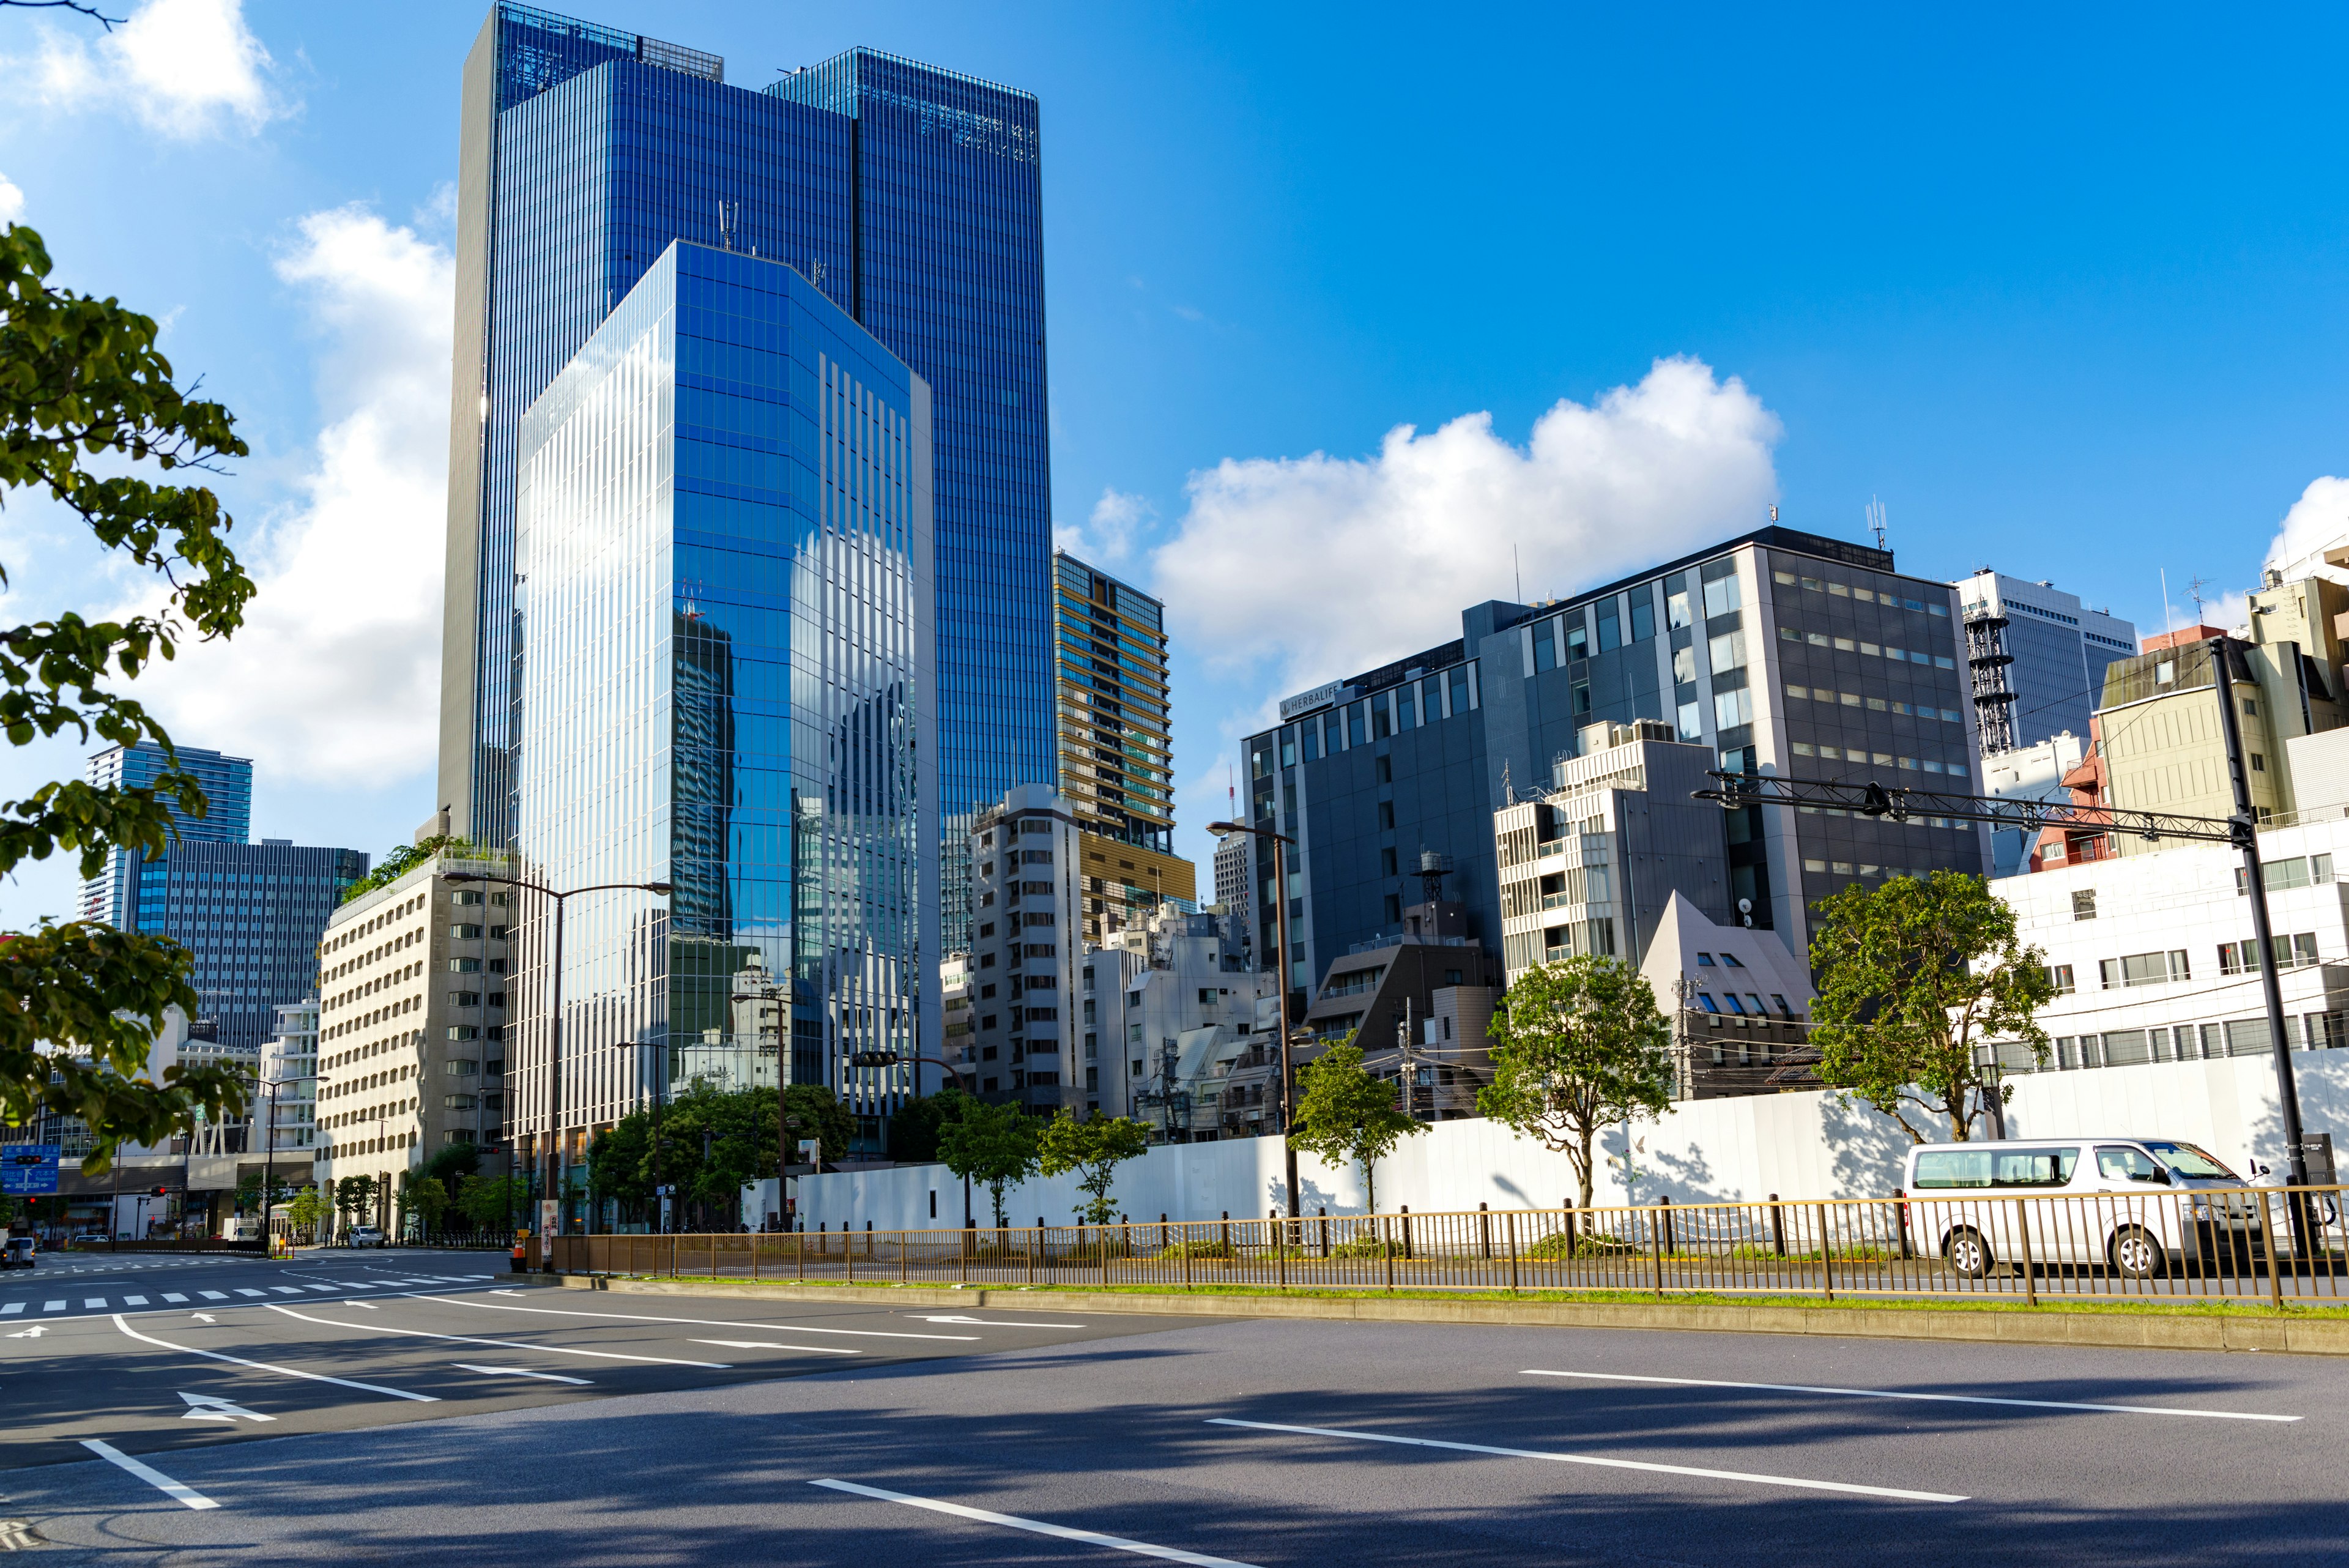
(408, 1407)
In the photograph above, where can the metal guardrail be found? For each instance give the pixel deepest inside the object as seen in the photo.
(2240, 1244)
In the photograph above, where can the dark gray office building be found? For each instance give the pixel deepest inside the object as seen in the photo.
(1779, 651)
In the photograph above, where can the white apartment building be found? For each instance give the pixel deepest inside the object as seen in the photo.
(1233, 870)
(1165, 1008)
(1027, 933)
(412, 1023)
(2153, 956)
(289, 1060)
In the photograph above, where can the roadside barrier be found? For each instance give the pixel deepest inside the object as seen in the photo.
(2241, 1244)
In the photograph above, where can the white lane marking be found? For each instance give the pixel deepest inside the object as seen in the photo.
(521, 1372)
(762, 1344)
(245, 1292)
(1037, 1526)
(212, 1407)
(1597, 1460)
(93, 1303)
(173, 1296)
(147, 1473)
(328, 1289)
(1934, 1398)
(272, 1366)
(212, 1295)
(1001, 1323)
(33, 1333)
(706, 1322)
(12, 1307)
(287, 1290)
(53, 1306)
(501, 1344)
(134, 1301)
(203, 1317)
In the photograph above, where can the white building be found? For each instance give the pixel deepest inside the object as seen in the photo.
(1167, 1010)
(2035, 771)
(290, 1060)
(1027, 930)
(1232, 873)
(2038, 657)
(2153, 958)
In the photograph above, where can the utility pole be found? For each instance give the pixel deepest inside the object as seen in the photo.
(2246, 827)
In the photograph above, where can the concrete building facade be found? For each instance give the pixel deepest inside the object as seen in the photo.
(1165, 1007)
(1027, 959)
(2037, 656)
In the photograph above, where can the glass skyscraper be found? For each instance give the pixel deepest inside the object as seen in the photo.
(112, 896)
(910, 196)
(725, 552)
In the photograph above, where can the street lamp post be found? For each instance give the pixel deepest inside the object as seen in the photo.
(269, 1147)
(890, 1059)
(555, 1013)
(1280, 841)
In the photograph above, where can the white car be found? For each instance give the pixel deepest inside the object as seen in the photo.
(2133, 1205)
(363, 1236)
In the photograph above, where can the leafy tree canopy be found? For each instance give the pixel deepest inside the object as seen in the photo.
(406, 857)
(1092, 1148)
(647, 1148)
(1914, 978)
(80, 1003)
(914, 1130)
(994, 1146)
(1346, 1113)
(1579, 1046)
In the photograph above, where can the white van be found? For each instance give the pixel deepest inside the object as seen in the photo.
(2133, 1206)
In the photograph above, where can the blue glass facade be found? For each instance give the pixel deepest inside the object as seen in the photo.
(724, 543)
(910, 196)
(112, 896)
(253, 914)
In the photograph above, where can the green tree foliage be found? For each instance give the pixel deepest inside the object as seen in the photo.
(80, 1003)
(1346, 1113)
(652, 1148)
(914, 1130)
(1914, 978)
(406, 857)
(422, 1198)
(1579, 1046)
(494, 1202)
(994, 1146)
(1094, 1148)
(355, 1199)
(248, 1191)
(307, 1209)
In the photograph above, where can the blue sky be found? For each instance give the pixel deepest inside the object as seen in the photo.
(2066, 295)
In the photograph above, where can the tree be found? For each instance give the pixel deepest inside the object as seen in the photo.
(1579, 1046)
(710, 1143)
(1094, 1148)
(994, 1146)
(404, 857)
(306, 1211)
(81, 1003)
(491, 1201)
(1914, 978)
(1346, 1113)
(915, 1128)
(423, 1199)
(355, 1199)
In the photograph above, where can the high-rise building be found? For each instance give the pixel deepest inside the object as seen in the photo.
(726, 621)
(1026, 951)
(1116, 767)
(112, 896)
(1777, 650)
(2037, 658)
(411, 1040)
(911, 197)
(290, 1061)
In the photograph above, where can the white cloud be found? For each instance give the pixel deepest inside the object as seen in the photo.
(335, 677)
(12, 201)
(1323, 566)
(2318, 520)
(182, 66)
(1109, 536)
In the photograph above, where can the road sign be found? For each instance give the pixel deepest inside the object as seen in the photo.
(29, 1169)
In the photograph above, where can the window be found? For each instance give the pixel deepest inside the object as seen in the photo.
(1387, 866)
(1706, 999)
(1705, 961)
(2143, 969)
(1459, 678)
(1721, 592)
(1394, 907)
(1938, 1169)
(1676, 600)
(2059, 977)
(2258, 764)
(2297, 951)
(2127, 1165)
(1386, 813)
(1208, 994)
(2084, 904)
(1683, 666)
(1732, 708)
(1610, 625)
(1643, 614)
(1692, 721)
(1727, 651)
(1546, 645)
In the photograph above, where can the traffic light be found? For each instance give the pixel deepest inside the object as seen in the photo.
(159, 1192)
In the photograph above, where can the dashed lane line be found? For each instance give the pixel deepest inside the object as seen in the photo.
(1036, 1526)
(186, 1495)
(1800, 1482)
(1903, 1394)
(704, 1323)
(501, 1344)
(523, 1372)
(271, 1366)
(762, 1344)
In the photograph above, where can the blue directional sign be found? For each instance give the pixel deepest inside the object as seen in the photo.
(29, 1169)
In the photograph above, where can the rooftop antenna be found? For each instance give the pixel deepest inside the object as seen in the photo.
(1875, 519)
(1516, 573)
(1773, 515)
(2169, 617)
(2194, 590)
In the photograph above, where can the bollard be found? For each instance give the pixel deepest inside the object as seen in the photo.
(1777, 1227)
(1485, 1232)
(1665, 1202)
(1510, 1219)
(1324, 1212)
(1279, 1244)
(1405, 1212)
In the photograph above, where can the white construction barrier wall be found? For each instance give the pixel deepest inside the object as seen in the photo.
(1810, 1144)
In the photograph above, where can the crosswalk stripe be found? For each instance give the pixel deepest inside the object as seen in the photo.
(328, 1289)
(13, 1306)
(243, 1291)
(173, 1296)
(134, 1301)
(93, 1303)
(53, 1306)
(287, 1290)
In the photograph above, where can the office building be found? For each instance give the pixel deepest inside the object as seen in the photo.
(2036, 656)
(1027, 958)
(2042, 770)
(1232, 861)
(290, 1060)
(728, 619)
(413, 979)
(1165, 1009)
(112, 896)
(1777, 650)
(910, 195)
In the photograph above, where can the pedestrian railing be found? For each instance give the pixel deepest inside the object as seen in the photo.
(2247, 1243)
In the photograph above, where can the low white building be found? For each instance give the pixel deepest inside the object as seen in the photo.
(2153, 958)
(1167, 1008)
(290, 1061)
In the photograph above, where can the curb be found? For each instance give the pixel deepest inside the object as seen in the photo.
(2296, 1336)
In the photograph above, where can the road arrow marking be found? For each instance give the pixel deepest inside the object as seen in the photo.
(1000, 1323)
(212, 1407)
(33, 1333)
(203, 1317)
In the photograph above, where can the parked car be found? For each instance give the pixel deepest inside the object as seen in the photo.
(363, 1236)
(19, 1253)
(2134, 1209)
